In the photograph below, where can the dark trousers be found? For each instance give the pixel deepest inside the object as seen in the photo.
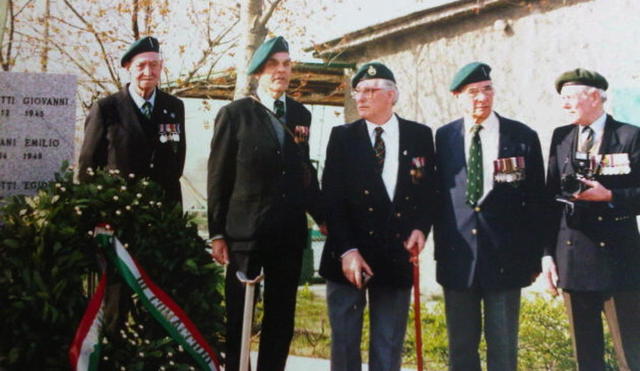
(464, 311)
(622, 310)
(281, 262)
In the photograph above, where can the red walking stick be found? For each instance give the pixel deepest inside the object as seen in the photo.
(416, 304)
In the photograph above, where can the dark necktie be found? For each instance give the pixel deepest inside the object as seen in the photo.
(587, 142)
(474, 167)
(278, 108)
(378, 146)
(146, 109)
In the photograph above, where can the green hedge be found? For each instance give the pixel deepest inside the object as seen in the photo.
(48, 257)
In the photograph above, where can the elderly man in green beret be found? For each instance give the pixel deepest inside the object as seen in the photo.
(593, 252)
(260, 184)
(140, 129)
(379, 185)
(491, 178)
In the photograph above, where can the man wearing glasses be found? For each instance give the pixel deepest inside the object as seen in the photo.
(379, 187)
(491, 183)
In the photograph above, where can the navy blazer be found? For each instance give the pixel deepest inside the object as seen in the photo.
(256, 187)
(597, 246)
(118, 136)
(360, 213)
(496, 245)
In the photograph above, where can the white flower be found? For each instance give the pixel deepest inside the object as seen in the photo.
(170, 354)
(126, 246)
(89, 170)
(90, 233)
(117, 171)
(99, 187)
(78, 212)
(105, 358)
(58, 185)
(118, 212)
(128, 207)
(115, 198)
(139, 195)
(63, 189)
(151, 203)
(123, 188)
(159, 204)
(141, 354)
(132, 175)
(145, 183)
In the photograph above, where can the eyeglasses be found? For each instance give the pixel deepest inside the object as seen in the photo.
(368, 92)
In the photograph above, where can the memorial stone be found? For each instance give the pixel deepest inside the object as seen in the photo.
(37, 119)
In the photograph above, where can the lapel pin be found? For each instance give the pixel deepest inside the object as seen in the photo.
(404, 153)
(164, 111)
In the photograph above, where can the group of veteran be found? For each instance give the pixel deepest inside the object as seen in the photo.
(497, 223)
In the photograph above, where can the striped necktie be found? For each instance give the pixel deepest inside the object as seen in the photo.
(379, 148)
(474, 167)
(587, 141)
(146, 109)
(278, 108)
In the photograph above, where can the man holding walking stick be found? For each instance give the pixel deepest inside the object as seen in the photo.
(379, 187)
(260, 183)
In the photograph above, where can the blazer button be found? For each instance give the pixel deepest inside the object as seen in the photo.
(398, 215)
(283, 172)
(569, 243)
(366, 192)
(477, 209)
(474, 231)
(284, 195)
(151, 165)
(370, 233)
(371, 209)
(407, 198)
(602, 244)
(599, 218)
(277, 151)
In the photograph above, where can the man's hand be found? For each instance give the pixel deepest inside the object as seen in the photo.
(220, 251)
(550, 274)
(414, 244)
(596, 192)
(352, 267)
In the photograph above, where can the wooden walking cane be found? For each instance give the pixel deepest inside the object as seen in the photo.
(247, 317)
(416, 304)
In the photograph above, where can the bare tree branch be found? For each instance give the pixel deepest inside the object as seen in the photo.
(262, 22)
(107, 61)
(134, 20)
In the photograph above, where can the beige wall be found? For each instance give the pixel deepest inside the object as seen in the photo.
(545, 39)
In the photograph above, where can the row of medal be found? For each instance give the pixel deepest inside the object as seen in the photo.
(169, 132)
(608, 164)
(509, 170)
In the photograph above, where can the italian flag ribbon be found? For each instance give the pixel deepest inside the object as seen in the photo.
(85, 349)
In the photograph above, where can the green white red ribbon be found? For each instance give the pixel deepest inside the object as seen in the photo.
(84, 352)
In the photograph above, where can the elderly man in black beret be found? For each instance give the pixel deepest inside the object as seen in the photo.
(380, 187)
(487, 244)
(593, 250)
(260, 183)
(140, 129)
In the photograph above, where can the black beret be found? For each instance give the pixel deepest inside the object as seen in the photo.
(472, 72)
(372, 70)
(265, 51)
(146, 44)
(580, 76)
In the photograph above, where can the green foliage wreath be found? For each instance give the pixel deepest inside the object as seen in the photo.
(48, 259)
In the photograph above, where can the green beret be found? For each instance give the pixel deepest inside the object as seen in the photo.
(580, 76)
(146, 44)
(472, 72)
(372, 70)
(265, 51)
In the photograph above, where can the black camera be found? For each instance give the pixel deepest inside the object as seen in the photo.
(570, 184)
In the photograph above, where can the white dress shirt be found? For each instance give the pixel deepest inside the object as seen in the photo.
(490, 141)
(139, 101)
(267, 100)
(391, 138)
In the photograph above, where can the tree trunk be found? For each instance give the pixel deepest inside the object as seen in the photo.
(44, 56)
(252, 34)
(4, 6)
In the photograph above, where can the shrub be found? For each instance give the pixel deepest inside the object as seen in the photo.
(48, 260)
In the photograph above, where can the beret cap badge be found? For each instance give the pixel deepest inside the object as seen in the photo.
(371, 71)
